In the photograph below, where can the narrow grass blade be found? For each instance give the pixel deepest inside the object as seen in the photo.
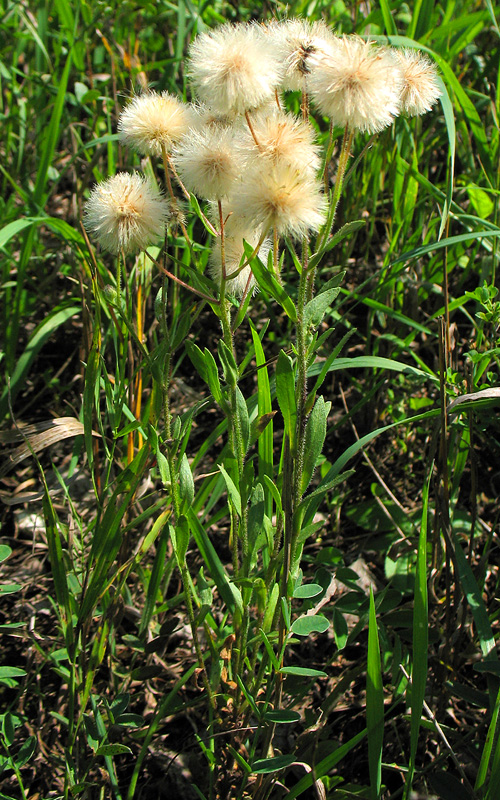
(420, 638)
(491, 737)
(374, 704)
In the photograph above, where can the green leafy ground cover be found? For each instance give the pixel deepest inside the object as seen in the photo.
(101, 686)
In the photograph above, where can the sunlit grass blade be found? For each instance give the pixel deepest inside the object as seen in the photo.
(374, 704)
(420, 638)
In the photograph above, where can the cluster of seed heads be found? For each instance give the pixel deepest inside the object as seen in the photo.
(238, 148)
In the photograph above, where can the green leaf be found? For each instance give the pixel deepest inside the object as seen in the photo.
(333, 241)
(229, 367)
(243, 418)
(12, 672)
(283, 716)
(213, 562)
(303, 672)
(10, 230)
(316, 308)
(38, 338)
(315, 439)
(324, 766)
(304, 626)
(25, 752)
(420, 635)
(265, 766)
(5, 551)
(205, 364)
(285, 392)
(231, 489)
(112, 750)
(186, 482)
(476, 602)
(307, 590)
(374, 704)
(270, 285)
(179, 535)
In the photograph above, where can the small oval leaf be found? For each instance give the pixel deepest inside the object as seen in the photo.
(307, 590)
(304, 626)
(113, 750)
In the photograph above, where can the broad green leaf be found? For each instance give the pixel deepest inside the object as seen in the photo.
(324, 766)
(12, 672)
(26, 751)
(243, 418)
(38, 338)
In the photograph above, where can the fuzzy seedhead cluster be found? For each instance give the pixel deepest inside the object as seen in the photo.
(236, 145)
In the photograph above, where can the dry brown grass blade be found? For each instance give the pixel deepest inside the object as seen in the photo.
(37, 437)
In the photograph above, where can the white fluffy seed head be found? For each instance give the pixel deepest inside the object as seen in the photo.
(208, 161)
(152, 121)
(283, 139)
(126, 212)
(280, 197)
(420, 90)
(233, 69)
(235, 232)
(358, 85)
(299, 43)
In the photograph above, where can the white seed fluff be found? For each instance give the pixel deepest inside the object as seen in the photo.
(233, 69)
(152, 121)
(299, 43)
(420, 89)
(208, 161)
(283, 139)
(280, 197)
(358, 85)
(126, 212)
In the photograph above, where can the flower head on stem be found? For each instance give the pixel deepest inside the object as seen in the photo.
(420, 89)
(282, 139)
(207, 162)
(358, 84)
(233, 69)
(126, 212)
(280, 197)
(152, 121)
(299, 43)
